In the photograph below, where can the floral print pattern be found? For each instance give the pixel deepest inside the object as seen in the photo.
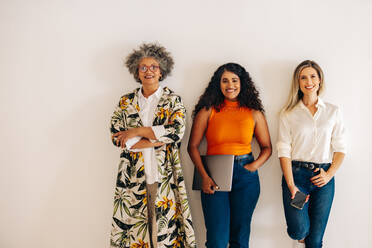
(173, 215)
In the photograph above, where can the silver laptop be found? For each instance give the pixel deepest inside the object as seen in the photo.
(219, 168)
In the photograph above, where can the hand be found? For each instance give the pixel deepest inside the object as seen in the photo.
(145, 143)
(251, 167)
(294, 190)
(321, 179)
(208, 185)
(123, 136)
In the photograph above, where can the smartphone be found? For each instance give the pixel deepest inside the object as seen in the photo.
(299, 200)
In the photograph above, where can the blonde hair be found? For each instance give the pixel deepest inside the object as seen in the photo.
(296, 94)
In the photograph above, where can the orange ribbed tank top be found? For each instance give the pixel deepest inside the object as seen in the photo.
(230, 130)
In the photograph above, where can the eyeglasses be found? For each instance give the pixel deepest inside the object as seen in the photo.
(144, 68)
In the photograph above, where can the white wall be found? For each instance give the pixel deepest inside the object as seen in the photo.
(61, 74)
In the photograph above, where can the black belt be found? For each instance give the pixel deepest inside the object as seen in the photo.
(309, 165)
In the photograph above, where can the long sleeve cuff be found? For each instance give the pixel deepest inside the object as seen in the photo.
(159, 131)
(131, 142)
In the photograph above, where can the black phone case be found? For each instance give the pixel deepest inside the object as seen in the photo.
(299, 200)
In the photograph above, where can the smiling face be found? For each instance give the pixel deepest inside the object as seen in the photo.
(149, 72)
(230, 85)
(309, 81)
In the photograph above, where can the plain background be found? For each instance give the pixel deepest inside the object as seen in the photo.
(61, 74)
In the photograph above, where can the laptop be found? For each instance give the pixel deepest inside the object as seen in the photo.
(219, 168)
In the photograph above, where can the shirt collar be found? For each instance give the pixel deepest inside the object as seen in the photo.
(157, 94)
(320, 103)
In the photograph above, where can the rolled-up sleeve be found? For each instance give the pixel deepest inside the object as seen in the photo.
(284, 137)
(338, 141)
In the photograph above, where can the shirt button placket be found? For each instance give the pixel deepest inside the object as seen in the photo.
(314, 137)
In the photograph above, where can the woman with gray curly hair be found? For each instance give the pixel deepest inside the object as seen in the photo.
(151, 208)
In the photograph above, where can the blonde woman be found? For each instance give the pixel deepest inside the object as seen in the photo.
(150, 207)
(311, 147)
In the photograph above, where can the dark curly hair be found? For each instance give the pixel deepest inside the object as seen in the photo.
(213, 97)
(153, 50)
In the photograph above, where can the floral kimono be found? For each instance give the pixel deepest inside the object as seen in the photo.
(173, 215)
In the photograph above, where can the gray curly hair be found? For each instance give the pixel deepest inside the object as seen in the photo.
(153, 50)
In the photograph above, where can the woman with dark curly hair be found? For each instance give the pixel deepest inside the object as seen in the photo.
(229, 114)
(150, 206)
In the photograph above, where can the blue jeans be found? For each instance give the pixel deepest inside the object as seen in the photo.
(228, 215)
(310, 222)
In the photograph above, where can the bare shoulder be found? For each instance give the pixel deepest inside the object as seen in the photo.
(258, 115)
(203, 114)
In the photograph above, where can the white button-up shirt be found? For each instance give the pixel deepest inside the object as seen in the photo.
(304, 137)
(147, 112)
